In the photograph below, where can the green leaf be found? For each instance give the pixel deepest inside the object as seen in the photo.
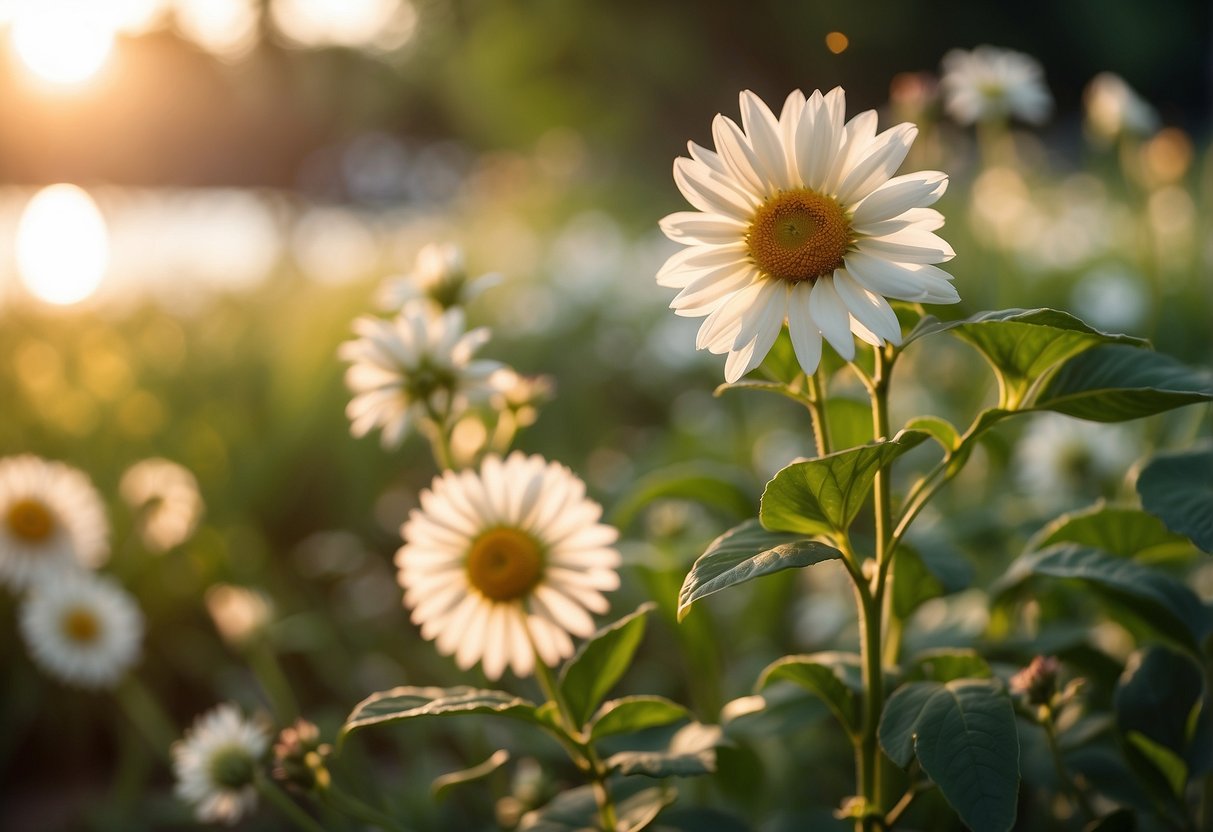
(746, 552)
(775, 712)
(823, 495)
(719, 486)
(963, 733)
(832, 677)
(600, 662)
(1163, 759)
(634, 713)
(1022, 345)
(1125, 532)
(946, 665)
(931, 573)
(412, 702)
(1117, 383)
(577, 810)
(1162, 602)
(446, 782)
(941, 430)
(691, 752)
(1178, 489)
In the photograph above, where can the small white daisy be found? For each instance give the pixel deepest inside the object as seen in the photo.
(1061, 461)
(992, 84)
(1113, 108)
(82, 628)
(416, 367)
(166, 496)
(502, 564)
(800, 220)
(51, 517)
(216, 764)
(439, 277)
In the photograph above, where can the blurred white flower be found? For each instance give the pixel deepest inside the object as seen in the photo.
(991, 84)
(165, 496)
(507, 562)
(82, 628)
(439, 277)
(1060, 460)
(216, 763)
(239, 613)
(1114, 108)
(417, 367)
(798, 220)
(520, 395)
(51, 517)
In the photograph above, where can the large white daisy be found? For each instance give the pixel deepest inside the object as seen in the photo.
(166, 496)
(82, 628)
(800, 219)
(415, 367)
(991, 84)
(506, 563)
(216, 764)
(51, 517)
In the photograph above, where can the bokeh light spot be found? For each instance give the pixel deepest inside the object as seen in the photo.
(837, 42)
(65, 43)
(62, 245)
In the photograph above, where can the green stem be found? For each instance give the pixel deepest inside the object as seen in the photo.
(584, 753)
(266, 667)
(1059, 765)
(873, 685)
(354, 807)
(283, 803)
(144, 711)
(817, 411)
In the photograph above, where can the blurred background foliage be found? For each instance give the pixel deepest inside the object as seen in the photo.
(259, 171)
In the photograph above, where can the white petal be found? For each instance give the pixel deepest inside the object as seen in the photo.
(763, 130)
(769, 305)
(806, 337)
(903, 281)
(869, 308)
(910, 245)
(880, 161)
(710, 192)
(898, 195)
(689, 227)
(832, 317)
(737, 154)
(703, 293)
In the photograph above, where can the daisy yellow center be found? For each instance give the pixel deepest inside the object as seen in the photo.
(505, 564)
(30, 520)
(799, 235)
(81, 626)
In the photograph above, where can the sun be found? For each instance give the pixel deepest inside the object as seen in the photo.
(62, 245)
(62, 42)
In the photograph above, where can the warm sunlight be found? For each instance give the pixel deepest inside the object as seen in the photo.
(62, 42)
(62, 245)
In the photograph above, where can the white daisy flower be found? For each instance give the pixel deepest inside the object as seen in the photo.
(166, 496)
(216, 764)
(439, 277)
(82, 628)
(1060, 460)
(1114, 108)
(991, 84)
(499, 565)
(800, 220)
(415, 367)
(51, 517)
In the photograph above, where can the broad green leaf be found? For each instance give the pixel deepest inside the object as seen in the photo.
(1163, 759)
(600, 662)
(412, 702)
(919, 576)
(823, 495)
(946, 665)
(446, 782)
(634, 713)
(1156, 697)
(1117, 383)
(963, 734)
(775, 712)
(1126, 532)
(1178, 489)
(940, 429)
(719, 486)
(1158, 600)
(744, 553)
(691, 752)
(577, 810)
(1022, 345)
(832, 677)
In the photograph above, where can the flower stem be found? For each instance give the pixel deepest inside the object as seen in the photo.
(144, 711)
(583, 754)
(817, 411)
(283, 803)
(1067, 784)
